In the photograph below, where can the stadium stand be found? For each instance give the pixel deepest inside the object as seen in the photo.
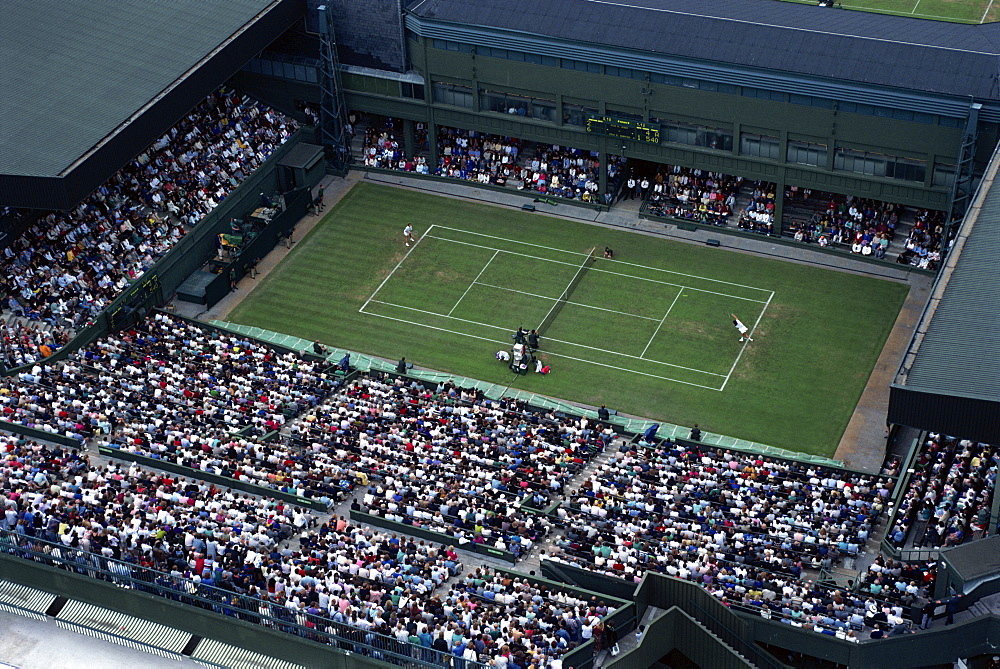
(744, 526)
(69, 265)
(549, 170)
(949, 496)
(381, 584)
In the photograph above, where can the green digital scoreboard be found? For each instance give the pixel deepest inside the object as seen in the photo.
(137, 297)
(624, 128)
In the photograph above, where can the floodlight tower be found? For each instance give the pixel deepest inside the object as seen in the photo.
(333, 109)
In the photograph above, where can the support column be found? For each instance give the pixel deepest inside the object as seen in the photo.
(602, 181)
(409, 139)
(432, 147)
(779, 204)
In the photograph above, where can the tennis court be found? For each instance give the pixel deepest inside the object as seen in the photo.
(610, 313)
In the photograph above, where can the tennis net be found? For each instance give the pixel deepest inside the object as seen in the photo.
(574, 282)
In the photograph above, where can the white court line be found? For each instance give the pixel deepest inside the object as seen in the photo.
(913, 11)
(605, 271)
(744, 347)
(558, 341)
(495, 254)
(988, 7)
(558, 355)
(643, 354)
(577, 274)
(576, 253)
(575, 304)
(785, 27)
(412, 248)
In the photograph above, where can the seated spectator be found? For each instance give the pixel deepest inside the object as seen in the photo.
(68, 266)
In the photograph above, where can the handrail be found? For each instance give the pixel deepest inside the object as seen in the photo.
(733, 639)
(221, 601)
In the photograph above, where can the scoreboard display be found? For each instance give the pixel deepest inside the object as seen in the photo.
(133, 305)
(624, 128)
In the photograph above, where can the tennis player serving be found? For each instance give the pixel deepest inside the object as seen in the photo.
(742, 329)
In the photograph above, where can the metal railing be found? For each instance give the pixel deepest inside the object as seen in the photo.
(735, 640)
(227, 602)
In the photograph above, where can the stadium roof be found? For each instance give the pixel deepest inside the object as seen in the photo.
(951, 376)
(960, 351)
(878, 49)
(77, 77)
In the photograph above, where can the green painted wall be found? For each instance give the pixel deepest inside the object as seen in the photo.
(607, 94)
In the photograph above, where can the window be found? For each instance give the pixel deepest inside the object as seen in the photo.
(810, 101)
(668, 79)
(626, 72)
(448, 45)
(507, 103)
(887, 112)
(581, 65)
(880, 165)
(943, 175)
(452, 94)
(415, 91)
(764, 94)
(762, 146)
(719, 139)
(624, 114)
(577, 114)
(807, 153)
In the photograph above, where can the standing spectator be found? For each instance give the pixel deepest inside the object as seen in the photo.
(320, 204)
(611, 637)
(598, 637)
(927, 618)
(951, 607)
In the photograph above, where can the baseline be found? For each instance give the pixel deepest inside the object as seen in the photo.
(620, 262)
(401, 261)
(558, 341)
(558, 355)
(606, 271)
(744, 347)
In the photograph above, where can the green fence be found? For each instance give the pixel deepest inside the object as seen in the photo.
(624, 424)
(435, 537)
(190, 472)
(675, 629)
(529, 196)
(40, 435)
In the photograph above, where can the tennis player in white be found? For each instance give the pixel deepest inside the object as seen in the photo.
(408, 233)
(742, 329)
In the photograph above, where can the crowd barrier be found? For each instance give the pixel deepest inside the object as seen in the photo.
(207, 611)
(435, 537)
(190, 472)
(623, 424)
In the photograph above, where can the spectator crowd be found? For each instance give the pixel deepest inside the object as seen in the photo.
(68, 266)
(549, 170)
(744, 526)
(949, 495)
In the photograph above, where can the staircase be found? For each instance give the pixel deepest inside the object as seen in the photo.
(531, 563)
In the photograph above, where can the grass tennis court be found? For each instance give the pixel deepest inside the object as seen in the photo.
(958, 11)
(647, 333)
(626, 316)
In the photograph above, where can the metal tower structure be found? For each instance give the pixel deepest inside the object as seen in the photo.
(333, 109)
(964, 187)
